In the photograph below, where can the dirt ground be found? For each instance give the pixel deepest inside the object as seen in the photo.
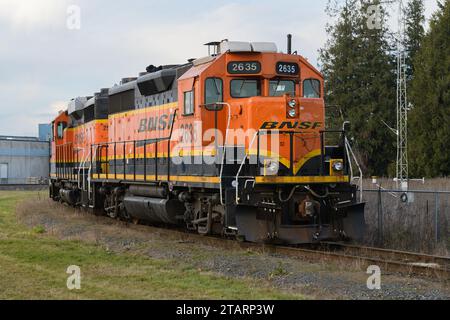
(317, 280)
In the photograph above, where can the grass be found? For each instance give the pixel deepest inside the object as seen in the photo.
(33, 265)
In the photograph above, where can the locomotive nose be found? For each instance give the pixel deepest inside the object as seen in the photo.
(283, 114)
(264, 112)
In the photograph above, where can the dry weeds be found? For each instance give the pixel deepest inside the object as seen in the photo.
(409, 226)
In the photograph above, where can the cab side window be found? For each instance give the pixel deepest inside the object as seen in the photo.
(213, 90)
(60, 129)
(189, 103)
(311, 88)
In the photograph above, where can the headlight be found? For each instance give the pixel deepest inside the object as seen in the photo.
(338, 166)
(292, 103)
(271, 167)
(292, 113)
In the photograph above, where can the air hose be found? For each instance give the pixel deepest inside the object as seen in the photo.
(307, 188)
(290, 194)
(317, 195)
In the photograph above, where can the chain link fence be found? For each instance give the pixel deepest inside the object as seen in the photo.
(417, 220)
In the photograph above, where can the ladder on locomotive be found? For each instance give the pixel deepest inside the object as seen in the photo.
(84, 178)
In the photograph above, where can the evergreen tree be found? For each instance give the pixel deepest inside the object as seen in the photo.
(429, 121)
(414, 33)
(360, 78)
(337, 56)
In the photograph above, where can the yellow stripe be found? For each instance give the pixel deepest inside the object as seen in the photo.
(102, 121)
(216, 180)
(212, 153)
(151, 155)
(286, 162)
(305, 159)
(141, 177)
(181, 153)
(144, 110)
(301, 180)
(267, 153)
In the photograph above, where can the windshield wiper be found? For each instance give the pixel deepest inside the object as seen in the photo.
(242, 85)
(216, 86)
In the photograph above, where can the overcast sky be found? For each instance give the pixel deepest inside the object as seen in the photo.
(43, 63)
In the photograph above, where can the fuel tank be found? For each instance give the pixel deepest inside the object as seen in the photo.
(148, 191)
(71, 197)
(154, 210)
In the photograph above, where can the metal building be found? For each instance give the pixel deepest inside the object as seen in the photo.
(23, 160)
(45, 131)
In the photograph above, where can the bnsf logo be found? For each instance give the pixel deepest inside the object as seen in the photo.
(156, 123)
(291, 125)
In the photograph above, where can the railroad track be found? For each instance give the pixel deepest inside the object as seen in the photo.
(412, 262)
(389, 261)
(388, 254)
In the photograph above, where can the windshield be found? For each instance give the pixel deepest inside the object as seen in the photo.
(280, 87)
(245, 88)
(311, 88)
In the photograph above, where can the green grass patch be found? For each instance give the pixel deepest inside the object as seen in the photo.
(39, 229)
(33, 265)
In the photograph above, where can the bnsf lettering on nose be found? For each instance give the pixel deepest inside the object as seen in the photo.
(156, 123)
(291, 125)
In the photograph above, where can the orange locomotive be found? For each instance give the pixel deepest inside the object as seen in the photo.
(231, 144)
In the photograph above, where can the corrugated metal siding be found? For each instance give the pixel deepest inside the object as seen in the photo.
(26, 160)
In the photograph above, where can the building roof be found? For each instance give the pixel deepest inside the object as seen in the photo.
(17, 138)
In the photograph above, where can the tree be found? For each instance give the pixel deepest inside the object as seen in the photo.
(359, 71)
(336, 59)
(430, 93)
(414, 33)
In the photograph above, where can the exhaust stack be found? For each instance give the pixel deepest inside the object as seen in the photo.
(289, 44)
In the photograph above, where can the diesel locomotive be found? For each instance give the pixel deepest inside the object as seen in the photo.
(232, 144)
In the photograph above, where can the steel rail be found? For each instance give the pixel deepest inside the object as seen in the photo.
(397, 255)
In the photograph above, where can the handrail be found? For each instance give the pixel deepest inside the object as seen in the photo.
(90, 171)
(81, 166)
(266, 132)
(62, 159)
(169, 139)
(242, 164)
(144, 142)
(224, 149)
(99, 146)
(349, 151)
